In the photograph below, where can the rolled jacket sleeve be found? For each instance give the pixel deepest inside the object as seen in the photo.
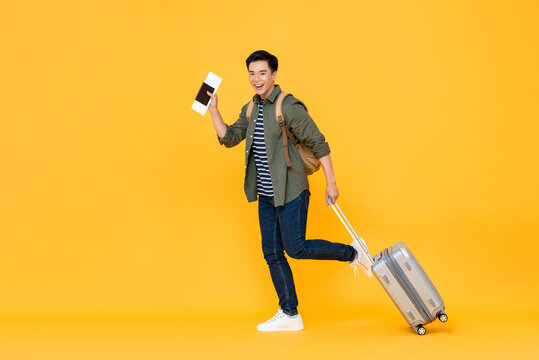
(303, 126)
(235, 133)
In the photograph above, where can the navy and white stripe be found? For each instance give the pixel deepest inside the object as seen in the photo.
(263, 178)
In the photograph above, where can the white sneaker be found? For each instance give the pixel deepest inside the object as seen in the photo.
(282, 322)
(363, 260)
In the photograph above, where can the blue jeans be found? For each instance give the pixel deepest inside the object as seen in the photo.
(283, 229)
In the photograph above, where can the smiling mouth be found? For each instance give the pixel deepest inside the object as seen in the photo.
(259, 86)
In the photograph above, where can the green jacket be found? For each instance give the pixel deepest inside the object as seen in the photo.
(287, 183)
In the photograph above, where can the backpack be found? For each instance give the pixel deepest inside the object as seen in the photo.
(310, 161)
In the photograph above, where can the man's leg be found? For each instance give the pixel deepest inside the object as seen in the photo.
(293, 221)
(273, 250)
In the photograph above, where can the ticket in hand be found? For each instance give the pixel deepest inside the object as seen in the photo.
(203, 100)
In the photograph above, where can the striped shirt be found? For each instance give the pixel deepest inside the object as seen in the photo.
(263, 178)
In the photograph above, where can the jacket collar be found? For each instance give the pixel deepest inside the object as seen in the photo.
(271, 97)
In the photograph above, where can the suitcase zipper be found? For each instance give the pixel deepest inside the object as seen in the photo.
(407, 286)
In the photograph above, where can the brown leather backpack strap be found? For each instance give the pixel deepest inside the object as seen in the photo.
(280, 119)
(279, 115)
(290, 136)
(249, 110)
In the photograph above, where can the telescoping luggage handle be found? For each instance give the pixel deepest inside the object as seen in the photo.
(348, 226)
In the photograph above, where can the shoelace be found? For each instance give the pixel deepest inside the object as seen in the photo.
(277, 316)
(355, 265)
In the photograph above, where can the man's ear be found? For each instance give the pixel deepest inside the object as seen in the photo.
(274, 75)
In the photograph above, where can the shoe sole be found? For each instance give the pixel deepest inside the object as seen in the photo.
(280, 330)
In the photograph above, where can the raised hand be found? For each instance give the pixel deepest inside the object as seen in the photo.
(213, 102)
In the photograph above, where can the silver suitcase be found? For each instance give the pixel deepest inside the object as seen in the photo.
(403, 279)
(409, 287)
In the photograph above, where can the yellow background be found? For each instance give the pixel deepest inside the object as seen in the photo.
(116, 198)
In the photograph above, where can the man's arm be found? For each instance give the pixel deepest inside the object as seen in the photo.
(228, 135)
(305, 129)
(218, 122)
(331, 184)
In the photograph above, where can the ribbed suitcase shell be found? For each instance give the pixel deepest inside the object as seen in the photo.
(408, 286)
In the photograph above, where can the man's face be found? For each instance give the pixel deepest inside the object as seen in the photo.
(261, 78)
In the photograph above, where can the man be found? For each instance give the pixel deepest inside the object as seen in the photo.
(283, 192)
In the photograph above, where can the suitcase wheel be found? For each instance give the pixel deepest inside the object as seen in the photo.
(442, 317)
(420, 330)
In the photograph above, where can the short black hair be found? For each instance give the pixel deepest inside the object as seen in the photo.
(273, 63)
